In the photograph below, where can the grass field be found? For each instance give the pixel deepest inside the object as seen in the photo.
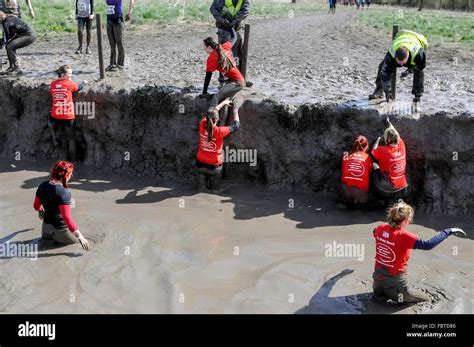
(444, 26)
(54, 16)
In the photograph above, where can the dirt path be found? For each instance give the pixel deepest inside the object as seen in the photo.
(244, 251)
(314, 58)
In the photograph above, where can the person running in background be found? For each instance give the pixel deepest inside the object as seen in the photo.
(18, 35)
(390, 179)
(408, 49)
(229, 14)
(356, 170)
(393, 246)
(210, 156)
(84, 15)
(53, 202)
(63, 111)
(115, 31)
(220, 59)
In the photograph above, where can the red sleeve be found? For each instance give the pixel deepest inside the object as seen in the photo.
(226, 46)
(74, 87)
(212, 63)
(376, 153)
(409, 239)
(370, 163)
(402, 146)
(66, 214)
(222, 131)
(37, 204)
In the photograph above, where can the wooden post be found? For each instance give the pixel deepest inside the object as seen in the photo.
(395, 29)
(245, 50)
(99, 45)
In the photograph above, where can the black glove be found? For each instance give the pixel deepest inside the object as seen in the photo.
(455, 231)
(405, 73)
(2, 42)
(41, 214)
(388, 96)
(234, 23)
(223, 23)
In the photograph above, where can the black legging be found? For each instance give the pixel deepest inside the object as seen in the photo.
(17, 43)
(69, 126)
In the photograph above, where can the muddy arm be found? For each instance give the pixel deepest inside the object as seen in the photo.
(207, 80)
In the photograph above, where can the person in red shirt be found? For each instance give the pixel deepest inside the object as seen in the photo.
(220, 59)
(62, 114)
(210, 156)
(390, 179)
(53, 202)
(393, 245)
(356, 169)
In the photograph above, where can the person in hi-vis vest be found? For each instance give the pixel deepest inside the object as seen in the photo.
(230, 14)
(408, 49)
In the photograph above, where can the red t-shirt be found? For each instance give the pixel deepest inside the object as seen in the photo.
(393, 248)
(356, 169)
(211, 152)
(63, 105)
(392, 160)
(213, 63)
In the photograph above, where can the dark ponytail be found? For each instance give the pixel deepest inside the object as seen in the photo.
(211, 115)
(223, 60)
(63, 70)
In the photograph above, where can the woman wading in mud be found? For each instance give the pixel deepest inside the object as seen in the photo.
(210, 156)
(393, 249)
(221, 59)
(356, 169)
(53, 202)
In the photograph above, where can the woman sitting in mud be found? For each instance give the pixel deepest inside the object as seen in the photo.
(393, 247)
(356, 169)
(53, 202)
(210, 156)
(389, 178)
(221, 59)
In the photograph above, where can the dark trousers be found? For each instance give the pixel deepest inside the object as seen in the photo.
(15, 44)
(418, 80)
(81, 23)
(229, 90)
(383, 187)
(115, 32)
(68, 126)
(208, 176)
(352, 195)
(395, 287)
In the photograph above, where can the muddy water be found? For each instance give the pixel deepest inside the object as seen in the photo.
(322, 58)
(162, 247)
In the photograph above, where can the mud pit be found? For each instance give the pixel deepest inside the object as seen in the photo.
(308, 107)
(175, 249)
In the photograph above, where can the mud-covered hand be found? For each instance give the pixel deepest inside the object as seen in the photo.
(455, 231)
(405, 73)
(82, 240)
(128, 17)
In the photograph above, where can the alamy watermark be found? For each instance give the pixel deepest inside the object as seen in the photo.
(18, 250)
(344, 250)
(240, 155)
(81, 108)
